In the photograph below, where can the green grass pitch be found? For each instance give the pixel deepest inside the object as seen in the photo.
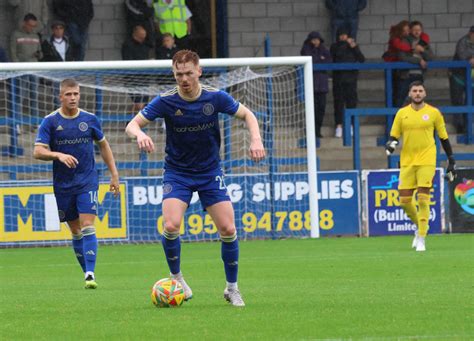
(347, 288)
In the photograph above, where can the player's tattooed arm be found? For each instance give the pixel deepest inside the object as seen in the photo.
(134, 130)
(108, 157)
(43, 153)
(256, 150)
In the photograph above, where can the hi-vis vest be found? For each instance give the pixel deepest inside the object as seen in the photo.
(172, 20)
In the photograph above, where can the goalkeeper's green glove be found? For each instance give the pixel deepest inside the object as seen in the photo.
(451, 169)
(390, 146)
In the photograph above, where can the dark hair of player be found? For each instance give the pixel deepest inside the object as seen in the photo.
(416, 83)
(185, 56)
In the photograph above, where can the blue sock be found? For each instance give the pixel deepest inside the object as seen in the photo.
(90, 247)
(78, 246)
(172, 247)
(230, 257)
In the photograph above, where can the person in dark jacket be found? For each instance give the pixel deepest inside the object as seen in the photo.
(57, 47)
(314, 46)
(167, 49)
(345, 13)
(345, 50)
(141, 12)
(136, 48)
(77, 15)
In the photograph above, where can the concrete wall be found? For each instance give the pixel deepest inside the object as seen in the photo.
(288, 22)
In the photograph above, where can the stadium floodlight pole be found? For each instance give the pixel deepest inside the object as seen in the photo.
(304, 61)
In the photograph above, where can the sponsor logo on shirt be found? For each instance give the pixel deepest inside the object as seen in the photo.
(199, 127)
(72, 141)
(208, 109)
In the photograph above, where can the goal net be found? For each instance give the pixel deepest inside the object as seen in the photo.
(276, 198)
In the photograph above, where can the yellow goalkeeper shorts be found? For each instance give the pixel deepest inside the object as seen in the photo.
(416, 176)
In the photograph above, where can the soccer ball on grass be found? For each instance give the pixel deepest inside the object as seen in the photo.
(167, 292)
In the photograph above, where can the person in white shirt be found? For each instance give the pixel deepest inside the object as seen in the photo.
(57, 47)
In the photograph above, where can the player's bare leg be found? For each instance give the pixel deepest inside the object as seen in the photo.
(173, 212)
(408, 205)
(222, 214)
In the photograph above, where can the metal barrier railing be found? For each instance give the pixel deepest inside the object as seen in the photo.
(388, 71)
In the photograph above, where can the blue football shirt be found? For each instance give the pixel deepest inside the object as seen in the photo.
(192, 127)
(74, 136)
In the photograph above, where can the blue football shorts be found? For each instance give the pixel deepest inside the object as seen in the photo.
(71, 205)
(209, 185)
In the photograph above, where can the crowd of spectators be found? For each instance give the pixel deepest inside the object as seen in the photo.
(165, 25)
(344, 85)
(156, 29)
(408, 42)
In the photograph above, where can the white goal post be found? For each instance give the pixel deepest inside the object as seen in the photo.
(278, 89)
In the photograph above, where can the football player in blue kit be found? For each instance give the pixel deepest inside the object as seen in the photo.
(192, 162)
(66, 137)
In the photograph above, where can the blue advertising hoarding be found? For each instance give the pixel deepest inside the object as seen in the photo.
(382, 207)
(261, 210)
(28, 213)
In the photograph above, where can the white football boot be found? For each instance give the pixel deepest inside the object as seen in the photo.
(420, 245)
(234, 297)
(415, 240)
(188, 293)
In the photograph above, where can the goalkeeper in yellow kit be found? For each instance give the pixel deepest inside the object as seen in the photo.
(416, 123)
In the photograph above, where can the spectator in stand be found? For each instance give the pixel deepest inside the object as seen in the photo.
(167, 49)
(345, 13)
(457, 78)
(173, 16)
(314, 46)
(25, 46)
(37, 7)
(77, 15)
(25, 43)
(57, 47)
(345, 50)
(3, 55)
(136, 48)
(420, 53)
(140, 12)
(397, 44)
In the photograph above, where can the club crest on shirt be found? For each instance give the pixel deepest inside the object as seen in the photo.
(167, 188)
(208, 109)
(83, 126)
(426, 117)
